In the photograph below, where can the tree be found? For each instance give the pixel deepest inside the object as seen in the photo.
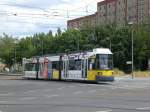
(86, 38)
(7, 49)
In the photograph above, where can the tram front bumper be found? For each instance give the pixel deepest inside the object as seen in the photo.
(105, 79)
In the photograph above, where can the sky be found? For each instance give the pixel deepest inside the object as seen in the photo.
(22, 18)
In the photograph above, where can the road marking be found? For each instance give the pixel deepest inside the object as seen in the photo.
(46, 90)
(28, 98)
(105, 111)
(96, 85)
(6, 94)
(103, 89)
(144, 108)
(31, 91)
(82, 85)
(71, 86)
(78, 92)
(60, 88)
(92, 91)
(50, 96)
(3, 101)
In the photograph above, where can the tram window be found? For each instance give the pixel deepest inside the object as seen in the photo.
(74, 64)
(41, 66)
(30, 67)
(91, 65)
(49, 65)
(71, 64)
(55, 65)
(78, 64)
(104, 61)
(110, 61)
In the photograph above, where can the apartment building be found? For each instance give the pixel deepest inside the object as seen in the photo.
(118, 12)
(106, 12)
(143, 10)
(138, 11)
(89, 20)
(121, 12)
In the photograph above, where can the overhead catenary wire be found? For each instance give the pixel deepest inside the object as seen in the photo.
(47, 11)
(42, 9)
(46, 14)
(41, 14)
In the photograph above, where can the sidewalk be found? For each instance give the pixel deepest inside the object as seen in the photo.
(129, 78)
(10, 76)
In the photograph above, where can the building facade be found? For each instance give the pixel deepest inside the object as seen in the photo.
(106, 12)
(89, 20)
(118, 12)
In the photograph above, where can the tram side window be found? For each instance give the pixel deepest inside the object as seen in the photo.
(49, 65)
(30, 67)
(91, 65)
(110, 61)
(74, 64)
(55, 65)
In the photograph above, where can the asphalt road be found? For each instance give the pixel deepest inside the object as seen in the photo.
(52, 96)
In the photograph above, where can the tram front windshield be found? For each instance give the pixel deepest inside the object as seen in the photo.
(104, 61)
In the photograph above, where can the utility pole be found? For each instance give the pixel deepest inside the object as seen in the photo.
(132, 47)
(78, 41)
(132, 54)
(78, 44)
(42, 48)
(37, 67)
(86, 9)
(15, 54)
(67, 14)
(15, 59)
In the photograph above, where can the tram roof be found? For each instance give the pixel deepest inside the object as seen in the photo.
(102, 51)
(80, 54)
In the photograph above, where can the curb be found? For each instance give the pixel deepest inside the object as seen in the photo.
(9, 74)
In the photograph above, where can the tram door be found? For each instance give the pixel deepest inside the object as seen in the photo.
(65, 69)
(84, 68)
(50, 71)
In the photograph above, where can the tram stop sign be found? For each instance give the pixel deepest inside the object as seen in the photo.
(129, 62)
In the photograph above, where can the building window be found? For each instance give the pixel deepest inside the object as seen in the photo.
(99, 8)
(104, 7)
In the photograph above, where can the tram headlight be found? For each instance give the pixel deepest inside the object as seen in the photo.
(99, 73)
(112, 73)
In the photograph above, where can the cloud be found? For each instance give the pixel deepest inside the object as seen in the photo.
(40, 3)
(26, 17)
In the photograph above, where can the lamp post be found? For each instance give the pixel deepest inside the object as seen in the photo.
(78, 41)
(108, 39)
(15, 54)
(42, 47)
(37, 67)
(15, 59)
(132, 47)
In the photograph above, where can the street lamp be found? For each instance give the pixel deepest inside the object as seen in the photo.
(15, 54)
(131, 23)
(37, 67)
(78, 41)
(110, 45)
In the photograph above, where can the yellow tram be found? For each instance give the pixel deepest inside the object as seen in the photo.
(95, 66)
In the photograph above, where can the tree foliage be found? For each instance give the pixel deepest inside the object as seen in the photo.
(118, 39)
(7, 49)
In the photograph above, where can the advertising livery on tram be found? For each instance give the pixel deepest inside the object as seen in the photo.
(96, 65)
